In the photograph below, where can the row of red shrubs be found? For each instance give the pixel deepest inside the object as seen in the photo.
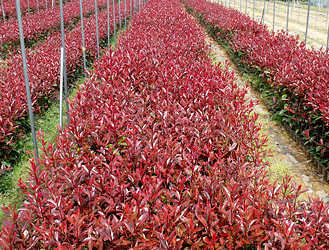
(36, 24)
(298, 76)
(9, 7)
(43, 69)
(161, 152)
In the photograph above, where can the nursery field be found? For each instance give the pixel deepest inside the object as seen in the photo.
(162, 148)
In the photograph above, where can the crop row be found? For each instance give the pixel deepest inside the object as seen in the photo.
(161, 152)
(39, 23)
(43, 69)
(9, 7)
(297, 77)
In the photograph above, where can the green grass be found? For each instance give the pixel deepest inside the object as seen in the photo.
(47, 122)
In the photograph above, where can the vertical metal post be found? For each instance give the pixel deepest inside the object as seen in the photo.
(308, 19)
(28, 7)
(119, 15)
(288, 16)
(3, 11)
(273, 14)
(61, 90)
(234, 4)
(328, 40)
(38, 5)
(131, 8)
(246, 5)
(108, 23)
(46, 4)
(114, 24)
(263, 17)
(298, 11)
(327, 14)
(316, 14)
(125, 14)
(83, 39)
(64, 55)
(26, 78)
(253, 9)
(240, 5)
(97, 35)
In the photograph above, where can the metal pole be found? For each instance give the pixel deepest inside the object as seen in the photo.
(264, 12)
(97, 35)
(327, 14)
(253, 10)
(38, 5)
(288, 16)
(240, 5)
(328, 40)
(83, 39)
(26, 78)
(234, 4)
(125, 14)
(3, 11)
(28, 7)
(114, 32)
(46, 4)
(298, 11)
(316, 14)
(64, 55)
(131, 8)
(108, 23)
(61, 90)
(273, 14)
(246, 5)
(119, 15)
(308, 19)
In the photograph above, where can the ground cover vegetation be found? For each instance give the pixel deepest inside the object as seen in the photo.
(162, 152)
(294, 79)
(43, 68)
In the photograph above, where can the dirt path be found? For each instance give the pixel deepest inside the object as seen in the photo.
(288, 157)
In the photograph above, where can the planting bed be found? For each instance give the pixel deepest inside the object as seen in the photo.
(287, 156)
(40, 23)
(294, 78)
(26, 5)
(161, 152)
(43, 69)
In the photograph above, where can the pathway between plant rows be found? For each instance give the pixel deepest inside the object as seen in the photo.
(288, 157)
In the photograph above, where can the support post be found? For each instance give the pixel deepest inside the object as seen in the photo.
(3, 11)
(64, 56)
(61, 90)
(308, 19)
(114, 24)
(288, 16)
(273, 14)
(26, 78)
(97, 34)
(83, 39)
